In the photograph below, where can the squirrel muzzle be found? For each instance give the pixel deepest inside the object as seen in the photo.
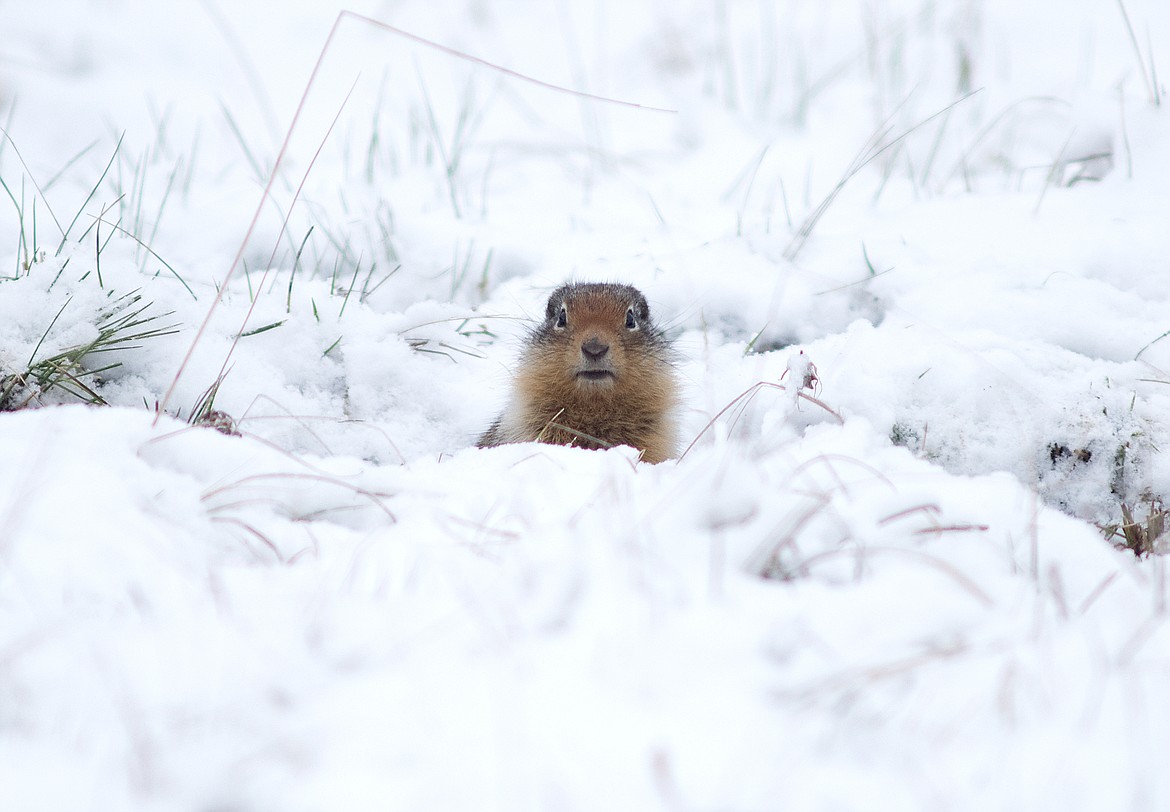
(596, 364)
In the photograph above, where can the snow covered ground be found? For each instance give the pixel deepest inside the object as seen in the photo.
(958, 211)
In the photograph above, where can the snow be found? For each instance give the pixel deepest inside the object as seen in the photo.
(894, 593)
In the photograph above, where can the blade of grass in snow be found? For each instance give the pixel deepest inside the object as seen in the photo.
(53, 180)
(98, 219)
(349, 290)
(451, 165)
(92, 192)
(97, 239)
(751, 180)
(138, 191)
(8, 125)
(22, 245)
(32, 178)
(1055, 171)
(37, 348)
(162, 208)
(264, 329)
(295, 267)
(35, 251)
(235, 128)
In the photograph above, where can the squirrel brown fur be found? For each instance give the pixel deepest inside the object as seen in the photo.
(595, 373)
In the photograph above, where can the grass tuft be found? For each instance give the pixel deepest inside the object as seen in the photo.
(1138, 536)
(76, 371)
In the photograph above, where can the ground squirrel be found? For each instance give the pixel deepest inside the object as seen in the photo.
(595, 373)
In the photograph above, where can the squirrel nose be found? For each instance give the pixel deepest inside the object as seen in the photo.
(594, 350)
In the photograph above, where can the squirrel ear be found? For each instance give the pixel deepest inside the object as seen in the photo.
(554, 303)
(641, 307)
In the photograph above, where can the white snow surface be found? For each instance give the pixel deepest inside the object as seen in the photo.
(894, 593)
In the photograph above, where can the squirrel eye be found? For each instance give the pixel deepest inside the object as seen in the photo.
(562, 316)
(631, 320)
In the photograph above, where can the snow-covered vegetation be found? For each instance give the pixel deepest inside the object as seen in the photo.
(264, 274)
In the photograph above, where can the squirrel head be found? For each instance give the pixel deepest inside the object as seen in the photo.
(599, 335)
